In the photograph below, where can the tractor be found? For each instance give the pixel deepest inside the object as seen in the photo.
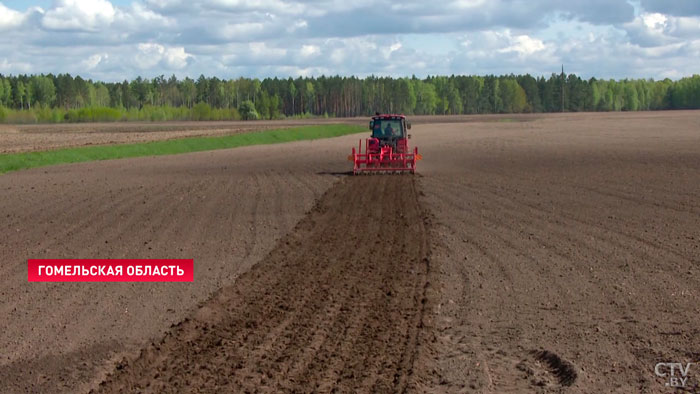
(386, 150)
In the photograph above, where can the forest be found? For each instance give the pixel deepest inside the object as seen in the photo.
(63, 98)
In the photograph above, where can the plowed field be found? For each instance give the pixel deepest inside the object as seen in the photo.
(556, 253)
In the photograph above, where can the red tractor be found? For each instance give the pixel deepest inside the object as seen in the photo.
(386, 150)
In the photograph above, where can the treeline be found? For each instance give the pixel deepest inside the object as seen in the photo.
(64, 98)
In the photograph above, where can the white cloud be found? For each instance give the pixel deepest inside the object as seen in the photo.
(300, 71)
(176, 58)
(297, 25)
(655, 29)
(338, 56)
(488, 44)
(10, 18)
(161, 3)
(89, 15)
(310, 50)
(8, 67)
(348, 52)
(272, 7)
(468, 3)
(239, 31)
(654, 21)
(92, 62)
(150, 55)
(685, 26)
(524, 45)
(503, 52)
(261, 49)
(648, 29)
(137, 16)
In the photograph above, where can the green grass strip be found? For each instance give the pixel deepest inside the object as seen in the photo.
(18, 161)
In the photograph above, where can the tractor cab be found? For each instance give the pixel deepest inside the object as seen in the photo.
(389, 130)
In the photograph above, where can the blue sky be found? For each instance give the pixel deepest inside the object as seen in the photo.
(116, 40)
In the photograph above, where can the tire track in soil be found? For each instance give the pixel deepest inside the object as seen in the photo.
(353, 271)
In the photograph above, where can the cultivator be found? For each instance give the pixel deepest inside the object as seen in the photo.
(386, 151)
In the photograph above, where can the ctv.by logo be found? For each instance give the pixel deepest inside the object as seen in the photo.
(677, 373)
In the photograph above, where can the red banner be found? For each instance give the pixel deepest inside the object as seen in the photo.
(110, 270)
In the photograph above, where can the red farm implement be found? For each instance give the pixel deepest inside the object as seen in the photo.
(386, 150)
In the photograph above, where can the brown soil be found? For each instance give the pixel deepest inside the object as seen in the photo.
(226, 209)
(336, 306)
(564, 256)
(567, 253)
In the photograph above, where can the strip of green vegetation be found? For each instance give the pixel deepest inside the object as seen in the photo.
(19, 161)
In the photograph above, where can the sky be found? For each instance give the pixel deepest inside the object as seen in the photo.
(116, 40)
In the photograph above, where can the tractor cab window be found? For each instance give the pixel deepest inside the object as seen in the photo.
(387, 128)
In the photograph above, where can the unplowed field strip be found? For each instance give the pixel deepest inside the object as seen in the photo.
(337, 305)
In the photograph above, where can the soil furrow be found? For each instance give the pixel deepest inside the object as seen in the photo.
(276, 328)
